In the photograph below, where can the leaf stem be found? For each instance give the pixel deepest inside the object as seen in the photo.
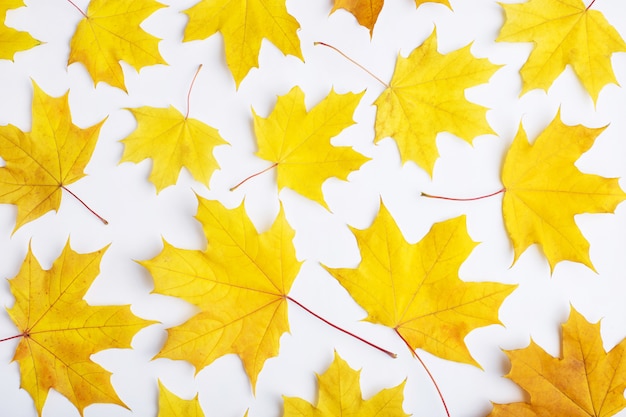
(78, 8)
(464, 199)
(430, 375)
(353, 61)
(590, 4)
(190, 87)
(393, 355)
(102, 219)
(12, 337)
(253, 175)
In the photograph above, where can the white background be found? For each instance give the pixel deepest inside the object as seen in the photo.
(140, 219)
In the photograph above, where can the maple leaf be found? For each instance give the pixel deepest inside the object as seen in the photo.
(172, 406)
(545, 190)
(426, 95)
(110, 33)
(400, 285)
(172, 141)
(40, 164)
(59, 331)
(239, 283)
(564, 32)
(244, 24)
(11, 40)
(340, 395)
(585, 381)
(298, 142)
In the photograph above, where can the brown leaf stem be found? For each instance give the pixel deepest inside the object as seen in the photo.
(590, 4)
(253, 175)
(393, 355)
(102, 219)
(190, 87)
(430, 375)
(353, 61)
(78, 8)
(463, 199)
(12, 337)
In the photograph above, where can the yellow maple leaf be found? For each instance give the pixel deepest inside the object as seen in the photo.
(545, 190)
(426, 96)
(171, 405)
(172, 141)
(41, 163)
(239, 283)
(415, 288)
(564, 32)
(584, 382)
(110, 33)
(11, 40)
(298, 142)
(243, 25)
(59, 331)
(340, 395)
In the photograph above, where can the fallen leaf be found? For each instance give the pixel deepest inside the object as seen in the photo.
(340, 395)
(110, 32)
(244, 24)
(172, 406)
(298, 142)
(59, 331)
(415, 288)
(11, 40)
(584, 382)
(40, 164)
(426, 96)
(239, 284)
(172, 141)
(545, 190)
(563, 32)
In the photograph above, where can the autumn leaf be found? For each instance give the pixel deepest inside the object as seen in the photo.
(11, 40)
(298, 142)
(244, 24)
(415, 288)
(585, 381)
(426, 96)
(172, 406)
(42, 163)
(340, 395)
(59, 331)
(545, 190)
(172, 141)
(110, 33)
(564, 32)
(239, 284)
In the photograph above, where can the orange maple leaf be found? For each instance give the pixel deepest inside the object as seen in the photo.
(586, 381)
(545, 190)
(426, 96)
(415, 288)
(239, 283)
(59, 331)
(42, 163)
(340, 395)
(244, 24)
(11, 40)
(110, 33)
(564, 32)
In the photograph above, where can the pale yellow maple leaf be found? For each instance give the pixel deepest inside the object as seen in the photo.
(545, 190)
(415, 288)
(11, 40)
(426, 96)
(59, 331)
(239, 284)
(171, 405)
(564, 32)
(584, 382)
(243, 25)
(110, 32)
(340, 395)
